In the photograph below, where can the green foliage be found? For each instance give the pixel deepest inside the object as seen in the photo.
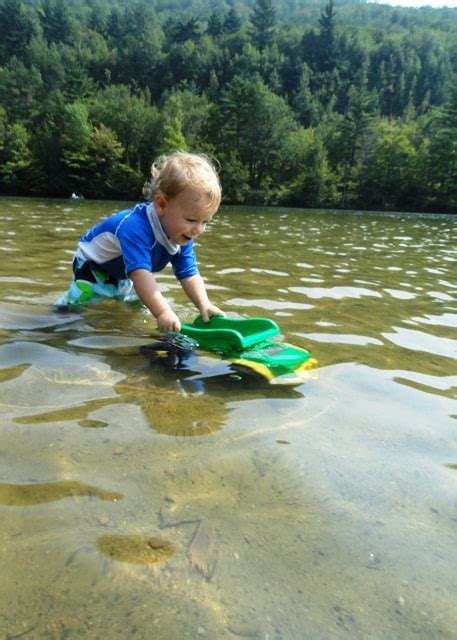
(232, 22)
(306, 178)
(263, 21)
(104, 163)
(15, 156)
(234, 177)
(182, 31)
(390, 173)
(254, 121)
(214, 26)
(56, 21)
(21, 90)
(192, 111)
(134, 121)
(172, 134)
(441, 160)
(326, 41)
(17, 27)
(306, 103)
(74, 144)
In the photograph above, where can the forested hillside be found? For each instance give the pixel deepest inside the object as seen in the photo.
(303, 103)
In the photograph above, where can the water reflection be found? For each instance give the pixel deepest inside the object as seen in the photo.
(195, 391)
(191, 398)
(173, 412)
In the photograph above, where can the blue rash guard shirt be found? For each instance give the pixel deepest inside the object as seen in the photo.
(134, 239)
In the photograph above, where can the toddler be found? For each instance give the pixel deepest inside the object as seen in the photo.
(128, 247)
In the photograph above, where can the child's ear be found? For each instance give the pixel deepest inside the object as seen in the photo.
(159, 203)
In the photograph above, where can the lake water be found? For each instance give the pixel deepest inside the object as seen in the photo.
(143, 500)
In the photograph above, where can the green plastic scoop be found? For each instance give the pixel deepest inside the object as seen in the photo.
(230, 334)
(247, 342)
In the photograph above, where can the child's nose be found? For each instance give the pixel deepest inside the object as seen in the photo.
(198, 228)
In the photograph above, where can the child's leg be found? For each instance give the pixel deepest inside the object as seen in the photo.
(90, 285)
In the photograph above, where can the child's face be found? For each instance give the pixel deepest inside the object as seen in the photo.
(185, 216)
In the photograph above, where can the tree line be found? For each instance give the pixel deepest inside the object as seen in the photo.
(343, 104)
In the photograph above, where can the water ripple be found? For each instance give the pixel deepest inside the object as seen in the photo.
(400, 295)
(420, 341)
(271, 305)
(444, 320)
(270, 272)
(341, 338)
(337, 293)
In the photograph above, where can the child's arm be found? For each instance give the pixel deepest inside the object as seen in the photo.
(195, 290)
(148, 290)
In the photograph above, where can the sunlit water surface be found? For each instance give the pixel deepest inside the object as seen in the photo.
(139, 500)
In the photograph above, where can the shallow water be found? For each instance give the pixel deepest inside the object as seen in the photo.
(140, 499)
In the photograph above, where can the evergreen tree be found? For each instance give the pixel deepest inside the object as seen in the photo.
(17, 28)
(348, 136)
(263, 20)
(442, 154)
(115, 28)
(187, 30)
(21, 91)
(254, 122)
(215, 26)
(232, 22)
(98, 17)
(304, 103)
(327, 38)
(56, 21)
(213, 86)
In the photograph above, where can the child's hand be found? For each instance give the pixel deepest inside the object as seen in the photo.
(168, 321)
(210, 310)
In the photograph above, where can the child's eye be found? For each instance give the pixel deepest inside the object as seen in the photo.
(192, 221)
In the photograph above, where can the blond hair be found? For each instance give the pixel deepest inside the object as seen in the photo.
(174, 172)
